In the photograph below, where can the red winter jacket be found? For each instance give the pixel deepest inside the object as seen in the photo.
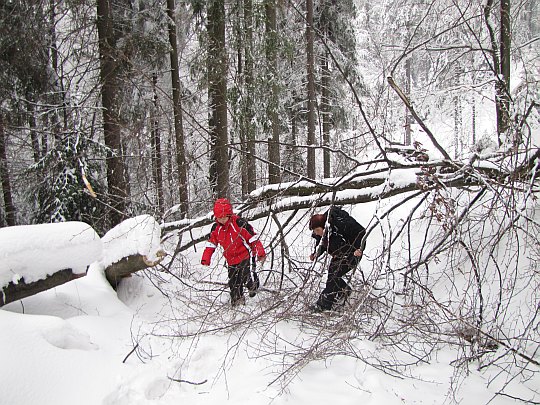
(238, 239)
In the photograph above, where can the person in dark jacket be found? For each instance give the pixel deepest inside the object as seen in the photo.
(342, 237)
(240, 243)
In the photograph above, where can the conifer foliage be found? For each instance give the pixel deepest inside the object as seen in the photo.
(66, 186)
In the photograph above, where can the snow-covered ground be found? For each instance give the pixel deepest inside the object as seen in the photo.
(75, 344)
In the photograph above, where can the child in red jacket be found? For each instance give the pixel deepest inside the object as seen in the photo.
(240, 243)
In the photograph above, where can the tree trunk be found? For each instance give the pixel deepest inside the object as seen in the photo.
(114, 273)
(246, 85)
(127, 266)
(324, 22)
(274, 158)
(109, 60)
(326, 113)
(181, 163)
(155, 141)
(13, 292)
(217, 95)
(60, 94)
(505, 42)
(500, 52)
(408, 80)
(250, 89)
(239, 28)
(9, 207)
(367, 181)
(311, 173)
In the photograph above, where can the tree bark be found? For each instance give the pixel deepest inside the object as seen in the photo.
(109, 61)
(181, 163)
(114, 273)
(217, 95)
(60, 93)
(500, 52)
(127, 266)
(9, 206)
(241, 49)
(325, 89)
(408, 79)
(247, 132)
(13, 292)
(326, 114)
(250, 89)
(505, 43)
(311, 172)
(274, 158)
(155, 141)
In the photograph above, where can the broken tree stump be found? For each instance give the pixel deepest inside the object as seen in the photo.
(129, 265)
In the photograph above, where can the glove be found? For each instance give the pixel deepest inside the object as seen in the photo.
(207, 256)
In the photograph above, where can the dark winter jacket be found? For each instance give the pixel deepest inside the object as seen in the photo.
(342, 235)
(238, 239)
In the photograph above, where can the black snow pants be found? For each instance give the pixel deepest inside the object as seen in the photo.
(336, 286)
(239, 275)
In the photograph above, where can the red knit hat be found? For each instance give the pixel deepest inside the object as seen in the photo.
(222, 208)
(317, 221)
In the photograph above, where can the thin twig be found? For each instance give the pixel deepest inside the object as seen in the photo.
(188, 382)
(409, 106)
(130, 353)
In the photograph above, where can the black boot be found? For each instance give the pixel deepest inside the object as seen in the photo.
(252, 287)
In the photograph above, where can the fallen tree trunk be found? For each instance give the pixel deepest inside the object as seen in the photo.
(16, 291)
(114, 273)
(301, 195)
(129, 265)
(38, 257)
(411, 171)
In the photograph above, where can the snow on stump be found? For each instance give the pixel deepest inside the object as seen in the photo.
(35, 258)
(131, 246)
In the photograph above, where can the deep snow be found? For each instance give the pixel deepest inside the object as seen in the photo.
(74, 344)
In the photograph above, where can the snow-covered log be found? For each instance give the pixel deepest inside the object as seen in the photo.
(34, 258)
(358, 187)
(404, 170)
(129, 265)
(131, 246)
(20, 289)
